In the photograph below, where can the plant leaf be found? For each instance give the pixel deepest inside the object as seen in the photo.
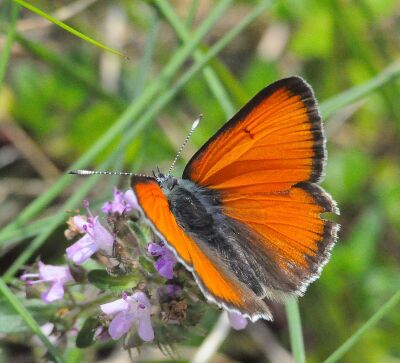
(85, 337)
(106, 282)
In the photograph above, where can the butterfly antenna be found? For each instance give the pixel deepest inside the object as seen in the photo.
(194, 125)
(93, 172)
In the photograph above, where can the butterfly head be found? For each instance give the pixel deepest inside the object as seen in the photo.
(166, 182)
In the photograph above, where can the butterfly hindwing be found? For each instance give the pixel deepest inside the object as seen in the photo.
(288, 232)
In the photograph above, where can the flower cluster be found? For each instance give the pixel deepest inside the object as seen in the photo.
(146, 302)
(131, 310)
(95, 238)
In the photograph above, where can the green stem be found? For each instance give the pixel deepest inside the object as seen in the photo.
(349, 343)
(295, 331)
(191, 13)
(12, 300)
(213, 51)
(148, 51)
(6, 51)
(211, 78)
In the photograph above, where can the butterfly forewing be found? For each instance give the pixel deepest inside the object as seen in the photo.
(272, 143)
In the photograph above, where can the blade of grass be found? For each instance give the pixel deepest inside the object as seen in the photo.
(212, 80)
(13, 301)
(349, 343)
(212, 52)
(351, 32)
(230, 81)
(295, 330)
(139, 81)
(67, 27)
(191, 13)
(14, 237)
(355, 93)
(215, 85)
(148, 51)
(134, 109)
(6, 51)
(216, 70)
(212, 342)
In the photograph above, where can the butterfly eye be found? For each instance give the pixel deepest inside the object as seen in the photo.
(172, 183)
(167, 184)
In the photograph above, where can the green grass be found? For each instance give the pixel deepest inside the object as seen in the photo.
(362, 171)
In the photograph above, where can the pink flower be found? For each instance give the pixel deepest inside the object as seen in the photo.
(166, 262)
(96, 238)
(57, 276)
(127, 312)
(122, 202)
(237, 320)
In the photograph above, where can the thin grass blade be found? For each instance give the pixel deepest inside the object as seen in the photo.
(66, 27)
(211, 78)
(337, 355)
(9, 39)
(295, 330)
(13, 301)
(345, 98)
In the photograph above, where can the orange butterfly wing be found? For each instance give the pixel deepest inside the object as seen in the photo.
(272, 143)
(216, 282)
(290, 228)
(264, 162)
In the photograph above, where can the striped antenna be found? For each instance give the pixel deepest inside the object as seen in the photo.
(92, 172)
(194, 125)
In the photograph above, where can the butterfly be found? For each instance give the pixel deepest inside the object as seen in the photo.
(245, 218)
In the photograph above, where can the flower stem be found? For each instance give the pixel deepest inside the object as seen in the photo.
(295, 331)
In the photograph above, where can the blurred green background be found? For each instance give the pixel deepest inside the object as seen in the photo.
(61, 94)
